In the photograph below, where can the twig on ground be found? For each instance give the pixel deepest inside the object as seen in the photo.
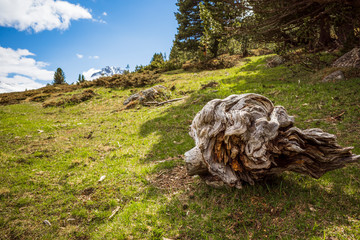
(162, 103)
(114, 212)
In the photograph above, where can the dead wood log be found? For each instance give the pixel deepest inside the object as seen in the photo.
(244, 138)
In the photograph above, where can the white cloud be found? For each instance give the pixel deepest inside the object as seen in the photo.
(40, 15)
(94, 57)
(90, 72)
(105, 13)
(80, 56)
(99, 20)
(18, 71)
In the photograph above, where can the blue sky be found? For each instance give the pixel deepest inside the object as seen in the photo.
(35, 39)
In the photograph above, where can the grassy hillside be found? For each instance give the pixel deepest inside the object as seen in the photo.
(52, 159)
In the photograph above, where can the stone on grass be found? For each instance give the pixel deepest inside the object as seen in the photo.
(349, 59)
(335, 76)
(149, 94)
(274, 61)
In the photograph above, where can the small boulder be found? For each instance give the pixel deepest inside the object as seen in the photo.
(149, 94)
(350, 59)
(274, 61)
(335, 76)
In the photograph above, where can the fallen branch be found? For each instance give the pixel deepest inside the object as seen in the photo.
(162, 103)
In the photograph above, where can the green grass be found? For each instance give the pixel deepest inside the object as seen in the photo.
(52, 158)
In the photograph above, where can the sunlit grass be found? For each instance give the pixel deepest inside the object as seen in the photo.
(52, 160)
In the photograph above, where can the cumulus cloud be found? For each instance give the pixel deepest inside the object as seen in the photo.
(80, 56)
(90, 72)
(105, 13)
(18, 70)
(40, 15)
(94, 57)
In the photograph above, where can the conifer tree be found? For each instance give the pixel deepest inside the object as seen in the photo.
(157, 58)
(190, 29)
(81, 79)
(59, 76)
(203, 26)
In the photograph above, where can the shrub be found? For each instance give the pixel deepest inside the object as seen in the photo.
(138, 79)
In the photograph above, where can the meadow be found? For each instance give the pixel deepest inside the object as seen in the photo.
(52, 159)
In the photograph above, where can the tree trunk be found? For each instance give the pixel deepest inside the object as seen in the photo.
(215, 48)
(244, 138)
(325, 39)
(244, 46)
(345, 29)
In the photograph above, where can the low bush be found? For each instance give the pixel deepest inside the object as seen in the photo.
(70, 100)
(138, 79)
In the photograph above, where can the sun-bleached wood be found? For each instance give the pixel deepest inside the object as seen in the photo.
(244, 138)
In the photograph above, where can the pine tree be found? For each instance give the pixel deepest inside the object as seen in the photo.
(81, 79)
(59, 77)
(203, 26)
(157, 58)
(212, 31)
(190, 29)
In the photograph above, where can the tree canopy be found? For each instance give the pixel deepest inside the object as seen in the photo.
(212, 27)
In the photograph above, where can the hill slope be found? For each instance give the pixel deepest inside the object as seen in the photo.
(52, 159)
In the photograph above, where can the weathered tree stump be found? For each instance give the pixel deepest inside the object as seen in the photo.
(244, 138)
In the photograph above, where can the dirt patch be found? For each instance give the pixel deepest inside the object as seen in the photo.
(211, 84)
(173, 179)
(39, 97)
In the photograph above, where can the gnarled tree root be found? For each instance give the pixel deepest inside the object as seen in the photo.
(244, 138)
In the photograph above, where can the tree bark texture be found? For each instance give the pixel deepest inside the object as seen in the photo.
(244, 138)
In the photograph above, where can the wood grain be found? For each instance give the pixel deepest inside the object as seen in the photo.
(244, 138)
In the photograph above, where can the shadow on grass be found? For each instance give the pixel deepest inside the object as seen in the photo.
(288, 206)
(173, 127)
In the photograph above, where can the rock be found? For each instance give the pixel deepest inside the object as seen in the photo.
(350, 59)
(337, 75)
(146, 95)
(102, 178)
(46, 222)
(274, 61)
